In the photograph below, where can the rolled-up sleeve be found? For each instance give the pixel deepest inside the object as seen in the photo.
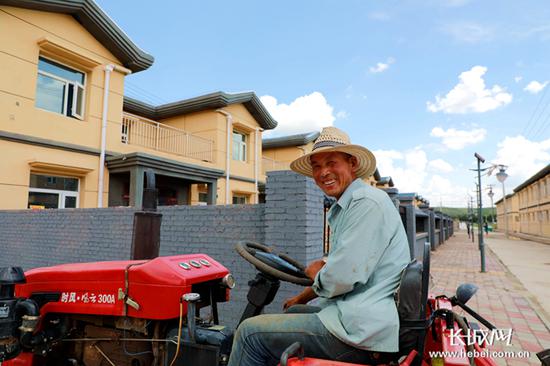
(357, 247)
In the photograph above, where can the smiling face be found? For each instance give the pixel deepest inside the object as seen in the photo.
(333, 172)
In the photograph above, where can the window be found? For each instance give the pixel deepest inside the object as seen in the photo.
(203, 197)
(239, 146)
(240, 199)
(47, 191)
(60, 89)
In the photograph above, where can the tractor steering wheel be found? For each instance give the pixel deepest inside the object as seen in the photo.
(275, 265)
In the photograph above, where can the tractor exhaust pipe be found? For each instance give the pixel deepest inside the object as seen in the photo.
(146, 233)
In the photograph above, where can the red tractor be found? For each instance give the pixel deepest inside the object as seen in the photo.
(114, 313)
(148, 312)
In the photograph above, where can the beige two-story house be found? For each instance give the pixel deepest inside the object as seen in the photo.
(69, 137)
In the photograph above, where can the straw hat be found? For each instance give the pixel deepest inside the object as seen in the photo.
(332, 139)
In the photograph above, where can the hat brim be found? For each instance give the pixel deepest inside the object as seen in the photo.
(366, 162)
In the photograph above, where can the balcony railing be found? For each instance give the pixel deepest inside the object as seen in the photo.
(270, 164)
(144, 132)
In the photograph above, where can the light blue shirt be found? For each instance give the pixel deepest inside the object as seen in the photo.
(368, 251)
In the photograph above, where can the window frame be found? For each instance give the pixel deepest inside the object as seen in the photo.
(243, 149)
(77, 89)
(202, 197)
(62, 194)
(245, 196)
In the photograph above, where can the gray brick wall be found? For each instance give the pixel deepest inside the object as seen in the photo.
(290, 221)
(294, 223)
(43, 238)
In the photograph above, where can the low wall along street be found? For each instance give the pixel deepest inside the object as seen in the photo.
(291, 221)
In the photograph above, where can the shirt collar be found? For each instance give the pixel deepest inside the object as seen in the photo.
(346, 197)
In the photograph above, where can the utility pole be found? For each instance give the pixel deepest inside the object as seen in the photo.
(491, 194)
(472, 216)
(480, 160)
(501, 176)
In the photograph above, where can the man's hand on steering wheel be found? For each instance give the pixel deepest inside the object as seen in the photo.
(307, 294)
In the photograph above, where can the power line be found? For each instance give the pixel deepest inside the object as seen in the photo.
(528, 127)
(144, 94)
(543, 126)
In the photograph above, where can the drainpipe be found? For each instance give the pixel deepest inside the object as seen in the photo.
(256, 162)
(229, 119)
(108, 69)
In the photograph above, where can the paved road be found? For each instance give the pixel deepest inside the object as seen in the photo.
(501, 298)
(529, 261)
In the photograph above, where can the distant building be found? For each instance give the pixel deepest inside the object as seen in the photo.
(528, 208)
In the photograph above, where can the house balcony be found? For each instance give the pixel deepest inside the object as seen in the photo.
(154, 135)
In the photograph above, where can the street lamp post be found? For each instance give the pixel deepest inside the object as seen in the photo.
(472, 217)
(501, 176)
(491, 194)
(480, 160)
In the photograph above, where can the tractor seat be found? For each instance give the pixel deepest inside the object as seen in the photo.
(411, 298)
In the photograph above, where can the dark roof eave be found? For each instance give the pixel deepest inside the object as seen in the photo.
(90, 15)
(204, 102)
(508, 196)
(291, 140)
(385, 180)
(538, 175)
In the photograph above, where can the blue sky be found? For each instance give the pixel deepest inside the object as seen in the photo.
(424, 84)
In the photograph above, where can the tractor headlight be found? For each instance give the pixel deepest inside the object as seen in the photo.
(229, 280)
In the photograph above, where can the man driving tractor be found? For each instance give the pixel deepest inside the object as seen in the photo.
(355, 317)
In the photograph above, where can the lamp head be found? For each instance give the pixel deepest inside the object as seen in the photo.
(501, 175)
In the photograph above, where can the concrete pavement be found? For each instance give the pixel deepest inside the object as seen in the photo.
(529, 261)
(502, 298)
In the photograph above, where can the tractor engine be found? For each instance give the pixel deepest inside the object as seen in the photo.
(122, 312)
(18, 317)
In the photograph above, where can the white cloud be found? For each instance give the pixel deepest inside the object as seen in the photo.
(458, 139)
(523, 158)
(440, 190)
(471, 95)
(517, 79)
(408, 170)
(534, 87)
(409, 176)
(469, 32)
(305, 114)
(440, 165)
(381, 66)
(342, 114)
(379, 15)
(542, 32)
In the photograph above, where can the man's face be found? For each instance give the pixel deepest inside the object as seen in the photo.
(333, 172)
